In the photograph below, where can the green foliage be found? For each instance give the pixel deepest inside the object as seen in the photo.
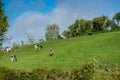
(67, 33)
(82, 26)
(73, 30)
(88, 28)
(99, 24)
(116, 18)
(78, 28)
(80, 73)
(3, 23)
(114, 27)
(83, 73)
(52, 32)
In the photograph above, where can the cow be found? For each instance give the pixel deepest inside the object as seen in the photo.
(37, 47)
(13, 58)
(7, 49)
(50, 52)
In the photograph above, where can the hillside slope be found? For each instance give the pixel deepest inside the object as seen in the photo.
(68, 53)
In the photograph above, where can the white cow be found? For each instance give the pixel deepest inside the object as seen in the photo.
(7, 49)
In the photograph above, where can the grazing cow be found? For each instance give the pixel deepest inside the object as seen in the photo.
(37, 47)
(50, 52)
(7, 49)
(13, 58)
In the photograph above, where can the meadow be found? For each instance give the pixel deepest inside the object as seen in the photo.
(68, 53)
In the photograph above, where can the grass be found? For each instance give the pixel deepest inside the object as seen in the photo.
(68, 53)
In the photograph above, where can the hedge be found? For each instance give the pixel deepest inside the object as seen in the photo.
(84, 72)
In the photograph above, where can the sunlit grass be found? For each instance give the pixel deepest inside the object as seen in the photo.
(68, 53)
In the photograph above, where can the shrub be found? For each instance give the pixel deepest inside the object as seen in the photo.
(115, 76)
(83, 73)
(57, 74)
(90, 33)
(80, 73)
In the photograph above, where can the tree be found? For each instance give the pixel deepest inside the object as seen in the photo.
(52, 32)
(3, 23)
(82, 29)
(114, 26)
(110, 24)
(73, 30)
(67, 33)
(88, 26)
(79, 27)
(31, 39)
(99, 23)
(116, 18)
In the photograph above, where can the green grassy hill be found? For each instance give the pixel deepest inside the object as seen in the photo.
(68, 53)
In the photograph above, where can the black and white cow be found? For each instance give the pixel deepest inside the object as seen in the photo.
(13, 58)
(7, 49)
(37, 47)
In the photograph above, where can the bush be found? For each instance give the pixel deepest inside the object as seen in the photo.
(83, 73)
(115, 76)
(57, 74)
(80, 73)
(90, 33)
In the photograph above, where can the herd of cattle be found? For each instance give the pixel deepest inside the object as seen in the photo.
(13, 58)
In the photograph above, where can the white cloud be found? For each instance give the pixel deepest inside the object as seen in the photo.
(27, 23)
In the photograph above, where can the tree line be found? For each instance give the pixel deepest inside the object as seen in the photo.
(82, 27)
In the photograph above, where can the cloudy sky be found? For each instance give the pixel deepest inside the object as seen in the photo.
(32, 16)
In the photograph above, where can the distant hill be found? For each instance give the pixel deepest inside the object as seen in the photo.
(68, 53)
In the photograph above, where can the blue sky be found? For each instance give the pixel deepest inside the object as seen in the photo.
(31, 17)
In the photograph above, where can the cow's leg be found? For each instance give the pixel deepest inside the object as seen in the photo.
(11, 59)
(35, 49)
(4, 52)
